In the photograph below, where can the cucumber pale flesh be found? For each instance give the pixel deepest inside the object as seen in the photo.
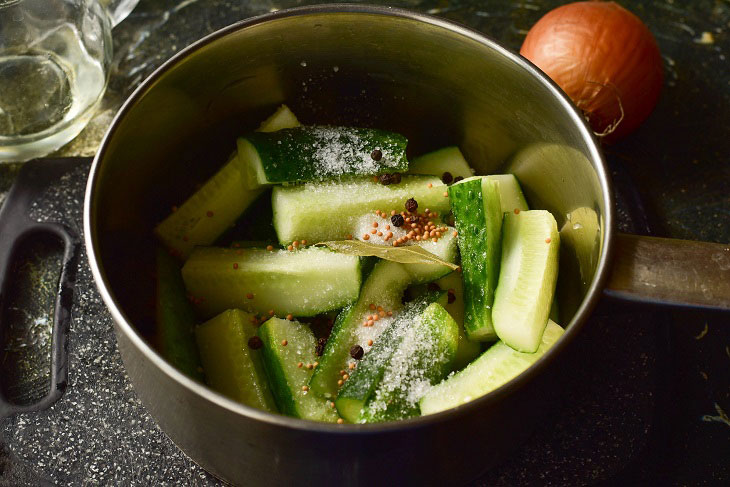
(448, 159)
(369, 371)
(212, 209)
(444, 247)
(453, 302)
(527, 279)
(494, 368)
(510, 193)
(203, 217)
(305, 282)
(286, 344)
(422, 358)
(324, 211)
(383, 288)
(232, 367)
(282, 118)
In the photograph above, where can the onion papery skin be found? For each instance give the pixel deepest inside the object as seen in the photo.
(598, 52)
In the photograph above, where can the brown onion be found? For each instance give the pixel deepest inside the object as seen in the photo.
(604, 58)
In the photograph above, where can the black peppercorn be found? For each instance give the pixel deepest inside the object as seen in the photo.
(395, 178)
(254, 343)
(377, 154)
(385, 179)
(411, 205)
(397, 220)
(356, 352)
(458, 178)
(446, 177)
(451, 297)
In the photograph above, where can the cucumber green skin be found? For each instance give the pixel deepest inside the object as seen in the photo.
(296, 154)
(387, 279)
(361, 384)
(175, 318)
(363, 381)
(285, 378)
(319, 212)
(231, 366)
(447, 159)
(304, 283)
(494, 368)
(467, 349)
(478, 219)
(437, 328)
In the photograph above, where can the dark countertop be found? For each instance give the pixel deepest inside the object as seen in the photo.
(650, 395)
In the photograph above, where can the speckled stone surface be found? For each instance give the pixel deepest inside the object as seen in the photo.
(648, 392)
(99, 433)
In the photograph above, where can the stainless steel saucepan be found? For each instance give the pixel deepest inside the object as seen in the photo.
(436, 82)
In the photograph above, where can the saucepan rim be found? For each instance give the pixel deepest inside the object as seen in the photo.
(591, 298)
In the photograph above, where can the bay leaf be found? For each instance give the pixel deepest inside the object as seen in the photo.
(407, 254)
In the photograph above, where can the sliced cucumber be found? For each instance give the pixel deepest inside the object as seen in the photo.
(444, 248)
(494, 368)
(399, 371)
(527, 279)
(510, 193)
(448, 159)
(286, 344)
(317, 153)
(453, 302)
(554, 309)
(383, 288)
(175, 318)
(203, 217)
(282, 118)
(232, 366)
(324, 211)
(212, 209)
(360, 386)
(303, 283)
(368, 374)
(478, 218)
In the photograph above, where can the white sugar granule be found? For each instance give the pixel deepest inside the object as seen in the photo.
(339, 152)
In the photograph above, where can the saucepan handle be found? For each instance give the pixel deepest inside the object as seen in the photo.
(671, 271)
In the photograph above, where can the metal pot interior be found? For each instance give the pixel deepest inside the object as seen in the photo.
(437, 83)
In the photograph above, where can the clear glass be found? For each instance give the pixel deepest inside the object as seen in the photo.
(55, 57)
(118, 9)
